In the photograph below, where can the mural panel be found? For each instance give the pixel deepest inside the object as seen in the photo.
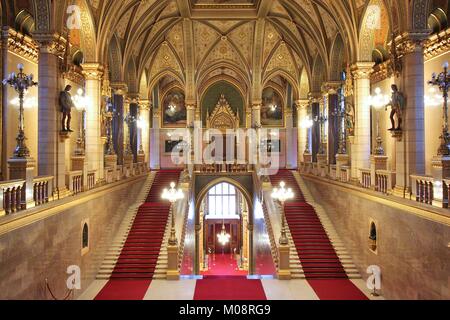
(272, 108)
(174, 109)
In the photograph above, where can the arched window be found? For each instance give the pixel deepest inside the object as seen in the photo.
(85, 241)
(373, 237)
(222, 201)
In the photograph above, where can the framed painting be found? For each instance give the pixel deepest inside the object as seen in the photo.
(272, 108)
(174, 109)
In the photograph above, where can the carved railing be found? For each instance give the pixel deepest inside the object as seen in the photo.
(223, 168)
(74, 180)
(345, 174)
(12, 196)
(366, 178)
(333, 172)
(423, 188)
(384, 181)
(42, 187)
(91, 179)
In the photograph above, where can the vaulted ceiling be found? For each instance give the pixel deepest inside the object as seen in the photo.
(251, 41)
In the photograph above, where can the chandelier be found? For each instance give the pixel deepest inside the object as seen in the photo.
(223, 236)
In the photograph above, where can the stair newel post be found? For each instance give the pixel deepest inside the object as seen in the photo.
(172, 195)
(282, 195)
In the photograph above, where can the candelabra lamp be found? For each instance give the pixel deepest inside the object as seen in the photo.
(129, 120)
(80, 102)
(21, 166)
(282, 195)
(21, 82)
(442, 81)
(109, 116)
(172, 195)
(321, 119)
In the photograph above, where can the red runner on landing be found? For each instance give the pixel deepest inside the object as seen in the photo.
(223, 265)
(229, 288)
(319, 260)
(136, 264)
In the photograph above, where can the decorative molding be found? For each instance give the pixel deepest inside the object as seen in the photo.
(20, 44)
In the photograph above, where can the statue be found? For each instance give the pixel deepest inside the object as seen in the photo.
(66, 103)
(350, 119)
(398, 104)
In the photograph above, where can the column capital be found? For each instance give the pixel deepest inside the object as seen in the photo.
(315, 97)
(134, 97)
(256, 106)
(413, 41)
(191, 107)
(145, 104)
(92, 71)
(302, 104)
(362, 70)
(119, 88)
(331, 87)
(51, 43)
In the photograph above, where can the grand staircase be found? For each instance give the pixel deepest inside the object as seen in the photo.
(137, 252)
(321, 255)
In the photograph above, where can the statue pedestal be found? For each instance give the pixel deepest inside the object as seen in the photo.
(111, 162)
(342, 160)
(322, 165)
(79, 163)
(284, 270)
(141, 158)
(23, 169)
(377, 163)
(172, 265)
(128, 165)
(440, 171)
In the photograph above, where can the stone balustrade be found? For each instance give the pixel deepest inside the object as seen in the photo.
(74, 181)
(223, 168)
(345, 174)
(91, 179)
(423, 188)
(366, 178)
(333, 172)
(12, 197)
(42, 189)
(384, 181)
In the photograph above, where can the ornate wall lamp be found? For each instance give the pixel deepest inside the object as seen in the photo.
(307, 124)
(442, 81)
(378, 102)
(81, 103)
(21, 83)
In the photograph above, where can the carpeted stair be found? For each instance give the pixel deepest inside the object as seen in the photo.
(140, 252)
(317, 255)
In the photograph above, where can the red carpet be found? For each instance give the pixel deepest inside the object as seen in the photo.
(317, 255)
(136, 265)
(341, 289)
(223, 265)
(229, 288)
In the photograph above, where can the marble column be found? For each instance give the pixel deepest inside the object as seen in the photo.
(120, 90)
(93, 73)
(155, 145)
(410, 149)
(291, 140)
(51, 147)
(256, 115)
(145, 110)
(302, 115)
(361, 148)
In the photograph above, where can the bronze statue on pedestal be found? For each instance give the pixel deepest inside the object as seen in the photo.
(66, 103)
(398, 104)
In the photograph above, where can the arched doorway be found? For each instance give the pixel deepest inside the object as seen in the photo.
(224, 229)
(224, 232)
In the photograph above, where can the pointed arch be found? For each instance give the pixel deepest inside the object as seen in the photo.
(115, 59)
(337, 59)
